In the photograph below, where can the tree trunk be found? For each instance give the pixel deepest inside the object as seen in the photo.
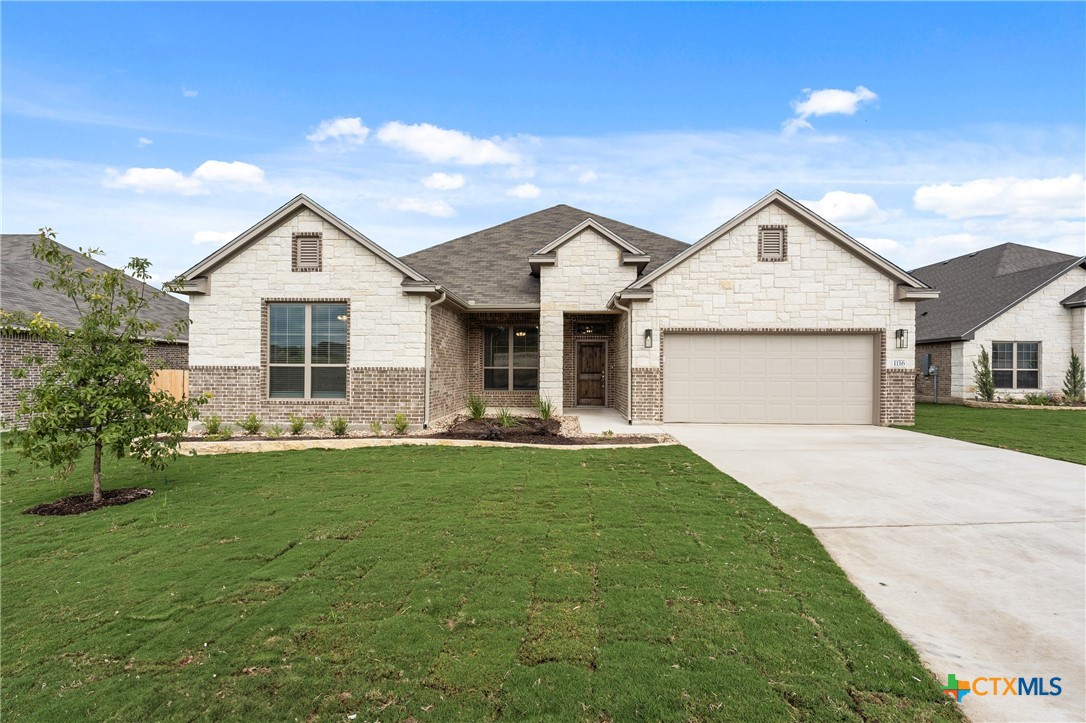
(97, 470)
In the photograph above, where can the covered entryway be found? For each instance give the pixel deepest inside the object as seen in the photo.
(591, 373)
(770, 378)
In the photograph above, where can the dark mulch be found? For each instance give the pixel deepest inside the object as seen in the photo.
(529, 431)
(78, 504)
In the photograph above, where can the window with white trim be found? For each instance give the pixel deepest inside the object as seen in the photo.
(511, 357)
(307, 351)
(772, 243)
(1016, 364)
(306, 251)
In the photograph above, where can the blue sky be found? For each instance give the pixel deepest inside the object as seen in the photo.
(925, 130)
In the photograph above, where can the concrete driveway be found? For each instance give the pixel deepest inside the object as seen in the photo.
(977, 555)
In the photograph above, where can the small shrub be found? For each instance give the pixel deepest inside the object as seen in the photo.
(318, 421)
(1074, 381)
(1038, 399)
(607, 434)
(251, 424)
(476, 406)
(506, 418)
(982, 376)
(544, 407)
(339, 426)
(400, 423)
(375, 427)
(213, 424)
(274, 432)
(225, 432)
(297, 424)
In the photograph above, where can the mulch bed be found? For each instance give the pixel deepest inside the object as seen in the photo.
(78, 504)
(529, 431)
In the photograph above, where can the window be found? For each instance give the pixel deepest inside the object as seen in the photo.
(511, 357)
(307, 351)
(306, 253)
(772, 243)
(1016, 364)
(588, 329)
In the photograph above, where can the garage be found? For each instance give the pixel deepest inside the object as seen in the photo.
(770, 378)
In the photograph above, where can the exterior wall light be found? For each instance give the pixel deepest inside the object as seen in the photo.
(902, 337)
(648, 338)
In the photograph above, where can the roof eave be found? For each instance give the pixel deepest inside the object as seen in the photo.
(910, 293)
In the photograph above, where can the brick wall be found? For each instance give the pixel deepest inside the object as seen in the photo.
(172, 356)
(897, 397)
(620, 383)
(449, 367)
(495, 397)
(648, 394)
(569, 354)
(941, 357)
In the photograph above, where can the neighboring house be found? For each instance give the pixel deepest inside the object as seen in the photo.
(776, 316)
(1023, 304)
(18, 271)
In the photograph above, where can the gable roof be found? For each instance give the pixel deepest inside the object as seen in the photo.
(223, 254)
(1076, 299)
(490, 267)
(805, 214)
(978, 287)
(19, 269)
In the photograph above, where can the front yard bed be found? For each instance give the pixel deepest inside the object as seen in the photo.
(435, 583)
(1056, 433)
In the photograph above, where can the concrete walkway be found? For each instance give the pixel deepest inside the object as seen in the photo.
(977, 555)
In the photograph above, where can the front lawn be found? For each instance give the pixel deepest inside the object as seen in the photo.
(434, 584)
(1058, 434)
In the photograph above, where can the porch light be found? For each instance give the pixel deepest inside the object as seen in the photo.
(902, 337)
(521, 332)
(648, 338)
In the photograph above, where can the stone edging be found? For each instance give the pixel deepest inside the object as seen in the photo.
(1004, 405)
(227, 447)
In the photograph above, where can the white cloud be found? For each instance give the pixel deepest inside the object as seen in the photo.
(229, 172)
(524, 190)
(844, 207)
(189, 93)
(828, 101)
(167, 180)
(438, 208)
(442, 145)
(345, 132)
(141, 141)
(444, 181)
(587, 177)
(212, 237)
(882, 246)
(1006, 196)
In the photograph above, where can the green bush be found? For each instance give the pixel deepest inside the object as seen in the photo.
(213, 424)
(400, 423)
(318, 421)
(274, 432)
(544, 407)
(297, 424)
(982, 376)
(339, 426)
(1074, 381)
(506, 418)
(375, 427)
(476, 406)
(251, 424)
(1038, 399)
(225, 432)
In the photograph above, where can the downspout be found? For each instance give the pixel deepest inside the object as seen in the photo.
(429, 329)
(629, 359)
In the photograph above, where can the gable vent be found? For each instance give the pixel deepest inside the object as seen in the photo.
(307, 252)
(772, 243)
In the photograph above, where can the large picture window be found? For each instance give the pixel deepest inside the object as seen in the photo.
(307, 351)
(1016, 364)
(511, 357)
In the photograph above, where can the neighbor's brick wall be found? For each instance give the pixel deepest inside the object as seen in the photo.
(496, 398)
(449, 362)
(942, 357)
(569, 354)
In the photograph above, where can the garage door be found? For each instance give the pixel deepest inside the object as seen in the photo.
(769, 378)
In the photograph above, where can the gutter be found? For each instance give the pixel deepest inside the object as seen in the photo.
(430, 304)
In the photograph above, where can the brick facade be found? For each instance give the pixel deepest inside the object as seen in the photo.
(620, 383)
(569, 355)
(942, 357)
(495, 397)
(897, 397)
(648, 394)
(449, 366)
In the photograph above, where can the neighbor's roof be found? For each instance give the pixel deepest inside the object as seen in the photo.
(490, 267)
(980, 286)
(19, 269)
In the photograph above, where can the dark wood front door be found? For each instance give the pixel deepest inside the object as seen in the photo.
(591, 383)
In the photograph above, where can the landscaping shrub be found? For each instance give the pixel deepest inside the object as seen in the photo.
(506, 418)
(213, 425)
(274, 432)
(982, 376)
(400, 423)
(297, 424)
(1074, 381)
(318, 421)
(476, 406)
(225, 432)
(339, 426)
(251, 424)
(375, 427)
(544, 407)
(1039, 399)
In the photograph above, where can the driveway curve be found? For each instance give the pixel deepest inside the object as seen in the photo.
(976, 555)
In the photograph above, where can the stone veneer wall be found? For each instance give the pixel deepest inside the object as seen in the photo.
(569, 355)
(495, 398)
(449, 365)
(620, 385)
(941, 357)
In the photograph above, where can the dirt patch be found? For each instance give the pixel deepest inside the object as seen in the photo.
(78, 504)
(529, 431)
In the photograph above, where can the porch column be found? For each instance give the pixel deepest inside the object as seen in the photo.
(550, 356)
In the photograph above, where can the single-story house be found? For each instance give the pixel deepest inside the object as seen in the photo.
(775, 316)
(18, 271)
(1024, 305)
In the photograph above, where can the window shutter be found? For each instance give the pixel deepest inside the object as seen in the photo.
(771, 243)
(307, 252)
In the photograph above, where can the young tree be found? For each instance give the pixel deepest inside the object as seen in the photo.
(982, 376)
(1074, 381)
(97, 393)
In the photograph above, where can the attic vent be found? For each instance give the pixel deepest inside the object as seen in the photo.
(772, 243)
(306, 254)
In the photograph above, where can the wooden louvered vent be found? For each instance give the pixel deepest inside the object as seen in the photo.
(307, 252)
(772, 243)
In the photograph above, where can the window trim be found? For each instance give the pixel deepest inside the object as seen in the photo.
(1014, 369)
(307, 366)
(296, 241)
(510, 367)
(783, 255)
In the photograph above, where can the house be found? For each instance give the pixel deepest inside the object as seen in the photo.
(18, 271)
(775, 316)
(1024, 305)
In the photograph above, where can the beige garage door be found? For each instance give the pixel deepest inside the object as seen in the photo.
(769, 378)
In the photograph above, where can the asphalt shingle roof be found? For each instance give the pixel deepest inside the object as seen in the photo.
(1076, 299)
(19, 269)
(491, 266)
(975, 287)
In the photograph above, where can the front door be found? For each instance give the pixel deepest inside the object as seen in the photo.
(591, 381)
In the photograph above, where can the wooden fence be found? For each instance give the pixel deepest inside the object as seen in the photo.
(174, 381)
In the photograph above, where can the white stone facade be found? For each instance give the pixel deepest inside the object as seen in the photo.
(1038, 318)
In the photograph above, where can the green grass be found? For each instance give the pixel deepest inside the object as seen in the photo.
(436, 584)
(1045, 432)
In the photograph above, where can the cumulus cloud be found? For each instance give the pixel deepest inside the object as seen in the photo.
(212, 237)
(524, 190)
(430, 207)
(189, 93)
(587, 177)
(1006, 196)
(882, 246)
(444, 181)
(167, 180)
(141, 141)
(229, 172)
(443, 145)
(827, 101)
(345, 132)
(844, 207)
